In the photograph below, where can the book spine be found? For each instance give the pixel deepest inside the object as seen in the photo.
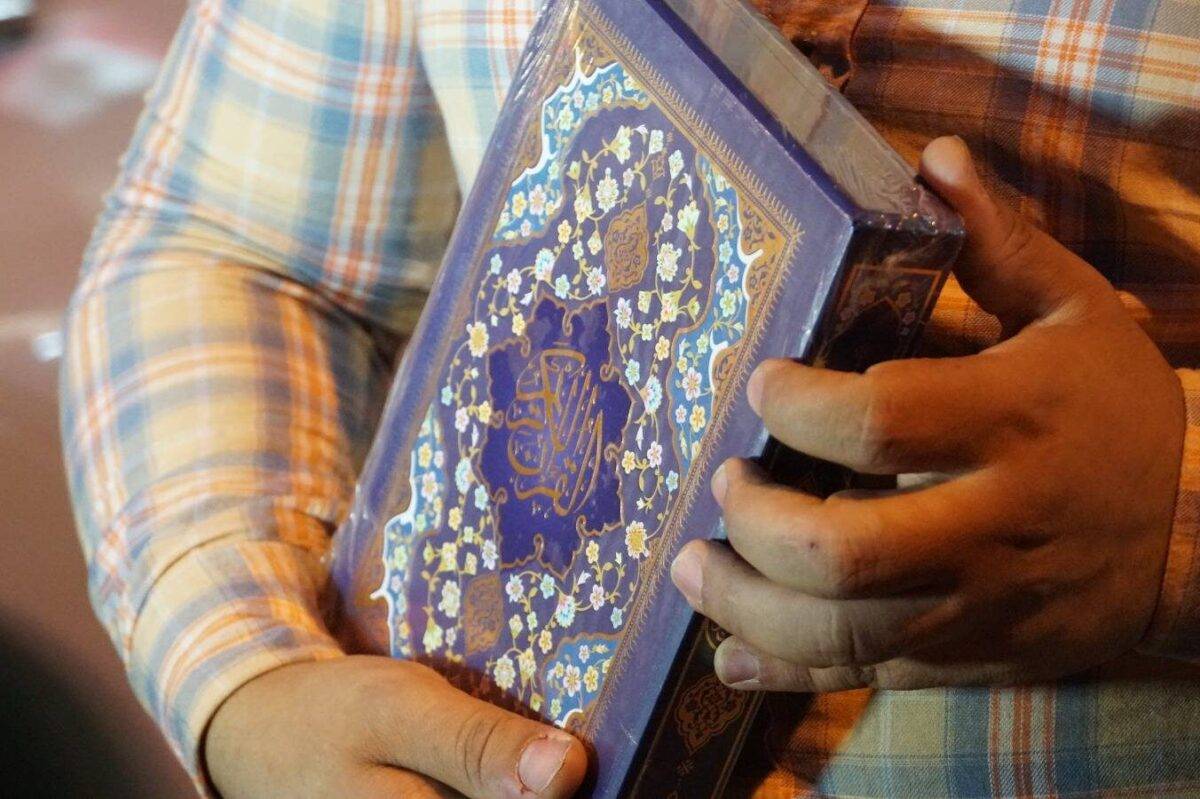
(696, 736)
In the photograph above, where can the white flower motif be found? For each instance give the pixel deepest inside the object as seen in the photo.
(652, 395)
(566, 118)
(537, 200)
(624, 313)
(514, 588)
(616, 618)
(668, 222)
(451, 594)
(429, 486)
(597, 597)
(481, 497)
(654, 454)
(462, 475)
(543, 265)
(572, 680)
(547, 586)
(675, 162)
(503, 673)
(672, 481)
(562, 287)
(607, 192)
(656, 142)
(691, 384)
(596, 281)
(489, 554)
(668, 261)
(514, 282)
(461, 419)
(633, 371)
(497, 264)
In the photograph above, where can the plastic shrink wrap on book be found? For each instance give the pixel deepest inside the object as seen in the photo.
(671, 195)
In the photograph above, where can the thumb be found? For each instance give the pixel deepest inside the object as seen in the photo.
(1011, 268)
(480, 749)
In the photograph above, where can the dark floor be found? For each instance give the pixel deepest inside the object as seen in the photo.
(69, 94)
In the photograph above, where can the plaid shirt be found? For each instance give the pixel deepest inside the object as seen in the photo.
(280, 214)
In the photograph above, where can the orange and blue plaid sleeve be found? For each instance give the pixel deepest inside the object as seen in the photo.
(276, 222)
(1175, 630)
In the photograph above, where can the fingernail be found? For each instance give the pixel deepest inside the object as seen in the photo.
(719, 485)
(737, 667)
(687, 576)
(754, 389)
(541, 760)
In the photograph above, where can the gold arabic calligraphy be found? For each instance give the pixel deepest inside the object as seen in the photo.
(557, 425)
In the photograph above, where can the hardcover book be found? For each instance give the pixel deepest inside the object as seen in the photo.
(672, 194)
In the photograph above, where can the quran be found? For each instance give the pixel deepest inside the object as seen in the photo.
(671, 195)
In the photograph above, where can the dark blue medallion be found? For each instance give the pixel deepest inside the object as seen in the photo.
(550, 453)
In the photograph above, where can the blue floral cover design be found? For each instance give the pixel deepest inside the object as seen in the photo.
(579, 371)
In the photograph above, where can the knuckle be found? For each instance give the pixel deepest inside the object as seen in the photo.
(883, 431)
(849, 643)
(472, 741)
(1019, 241)
(850, 570)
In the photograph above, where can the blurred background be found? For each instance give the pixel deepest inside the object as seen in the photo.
(72, 74)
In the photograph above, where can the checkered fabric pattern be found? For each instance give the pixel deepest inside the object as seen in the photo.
(279, 218)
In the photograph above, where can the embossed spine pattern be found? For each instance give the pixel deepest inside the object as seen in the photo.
(642, 234)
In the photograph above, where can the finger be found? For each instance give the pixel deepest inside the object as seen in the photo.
(796, 627)
(475, 747)
(1012, 269)
(745, 668)
(878, 544)
(900, 416)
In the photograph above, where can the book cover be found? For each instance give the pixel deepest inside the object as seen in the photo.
(672, 194)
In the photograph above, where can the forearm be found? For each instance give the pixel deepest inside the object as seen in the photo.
(214, 416)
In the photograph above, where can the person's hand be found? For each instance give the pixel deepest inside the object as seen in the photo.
(371, 727)
(1028, 536)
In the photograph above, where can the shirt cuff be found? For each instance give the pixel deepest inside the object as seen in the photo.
(1175, 629)
(216, 619)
